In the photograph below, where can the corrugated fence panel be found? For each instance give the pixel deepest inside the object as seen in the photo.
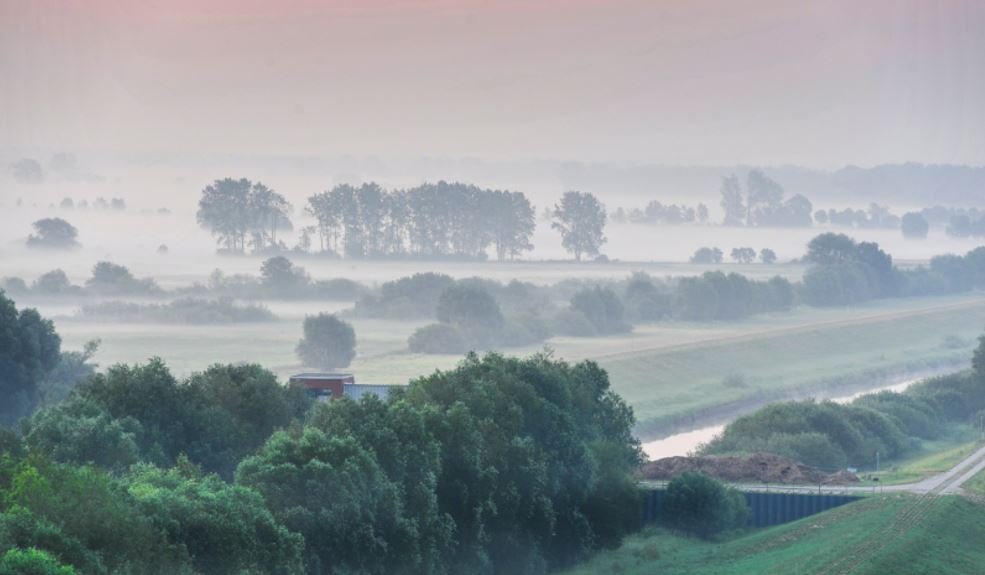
(765, 509)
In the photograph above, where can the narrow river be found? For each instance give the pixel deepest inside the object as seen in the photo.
(685, 442)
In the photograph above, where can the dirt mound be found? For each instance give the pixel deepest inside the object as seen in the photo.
(759, 467)
(842, 477)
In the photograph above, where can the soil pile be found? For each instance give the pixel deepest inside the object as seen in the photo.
(755, 468)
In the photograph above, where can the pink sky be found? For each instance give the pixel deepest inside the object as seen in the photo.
(763, 82)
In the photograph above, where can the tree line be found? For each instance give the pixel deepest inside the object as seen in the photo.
(433, 220)
(846, 272)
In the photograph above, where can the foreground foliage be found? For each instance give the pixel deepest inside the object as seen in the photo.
(499, 466)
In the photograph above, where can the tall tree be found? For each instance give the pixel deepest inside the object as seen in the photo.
(225, 210)
(580, 219)
(269, 211)
(732, 202)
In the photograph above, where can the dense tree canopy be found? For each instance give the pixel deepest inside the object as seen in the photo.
(29, 350)
(142, 413)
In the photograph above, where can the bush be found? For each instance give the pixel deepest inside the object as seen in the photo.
(55, 282)
(707, 256)
(602, 308)
(469, 308)
(645, 301)
(438, 338)
(328, 342)
(914, 226)
(32, 562)
(573, 323)
(191, 311)
(53, 233)
(14, 286)
(110, 278)
(698, 504)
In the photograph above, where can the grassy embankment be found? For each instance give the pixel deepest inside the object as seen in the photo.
(878, 535)
(673, 384)
(976, 486)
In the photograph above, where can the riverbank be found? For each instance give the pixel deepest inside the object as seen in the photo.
(686, 434)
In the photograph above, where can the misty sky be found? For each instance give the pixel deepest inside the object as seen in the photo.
(817, 83)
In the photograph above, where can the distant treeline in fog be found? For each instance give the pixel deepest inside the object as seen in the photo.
(180, 311)
(439, 219)
(478, 313)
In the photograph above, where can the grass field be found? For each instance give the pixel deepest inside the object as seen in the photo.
(676, 381)
(976, 486)
(878, 535)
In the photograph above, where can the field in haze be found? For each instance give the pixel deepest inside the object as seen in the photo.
(666, 370)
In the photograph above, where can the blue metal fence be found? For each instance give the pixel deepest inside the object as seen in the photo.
(765, 508)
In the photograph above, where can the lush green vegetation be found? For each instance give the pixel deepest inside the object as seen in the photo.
(698, 504)
(29, 350)
(976, 485)
(863, 538)
(499, 466)
(831, 436)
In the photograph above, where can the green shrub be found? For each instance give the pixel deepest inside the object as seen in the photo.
(438, 338)
(698, 504)
(32, 562)
(573, 323)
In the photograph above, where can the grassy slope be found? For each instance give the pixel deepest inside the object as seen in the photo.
(683, 379)
(851, 539)
(976, 485)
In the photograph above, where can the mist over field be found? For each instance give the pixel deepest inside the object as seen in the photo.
(506, 288)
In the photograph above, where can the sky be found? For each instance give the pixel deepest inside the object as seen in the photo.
(759, 82)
